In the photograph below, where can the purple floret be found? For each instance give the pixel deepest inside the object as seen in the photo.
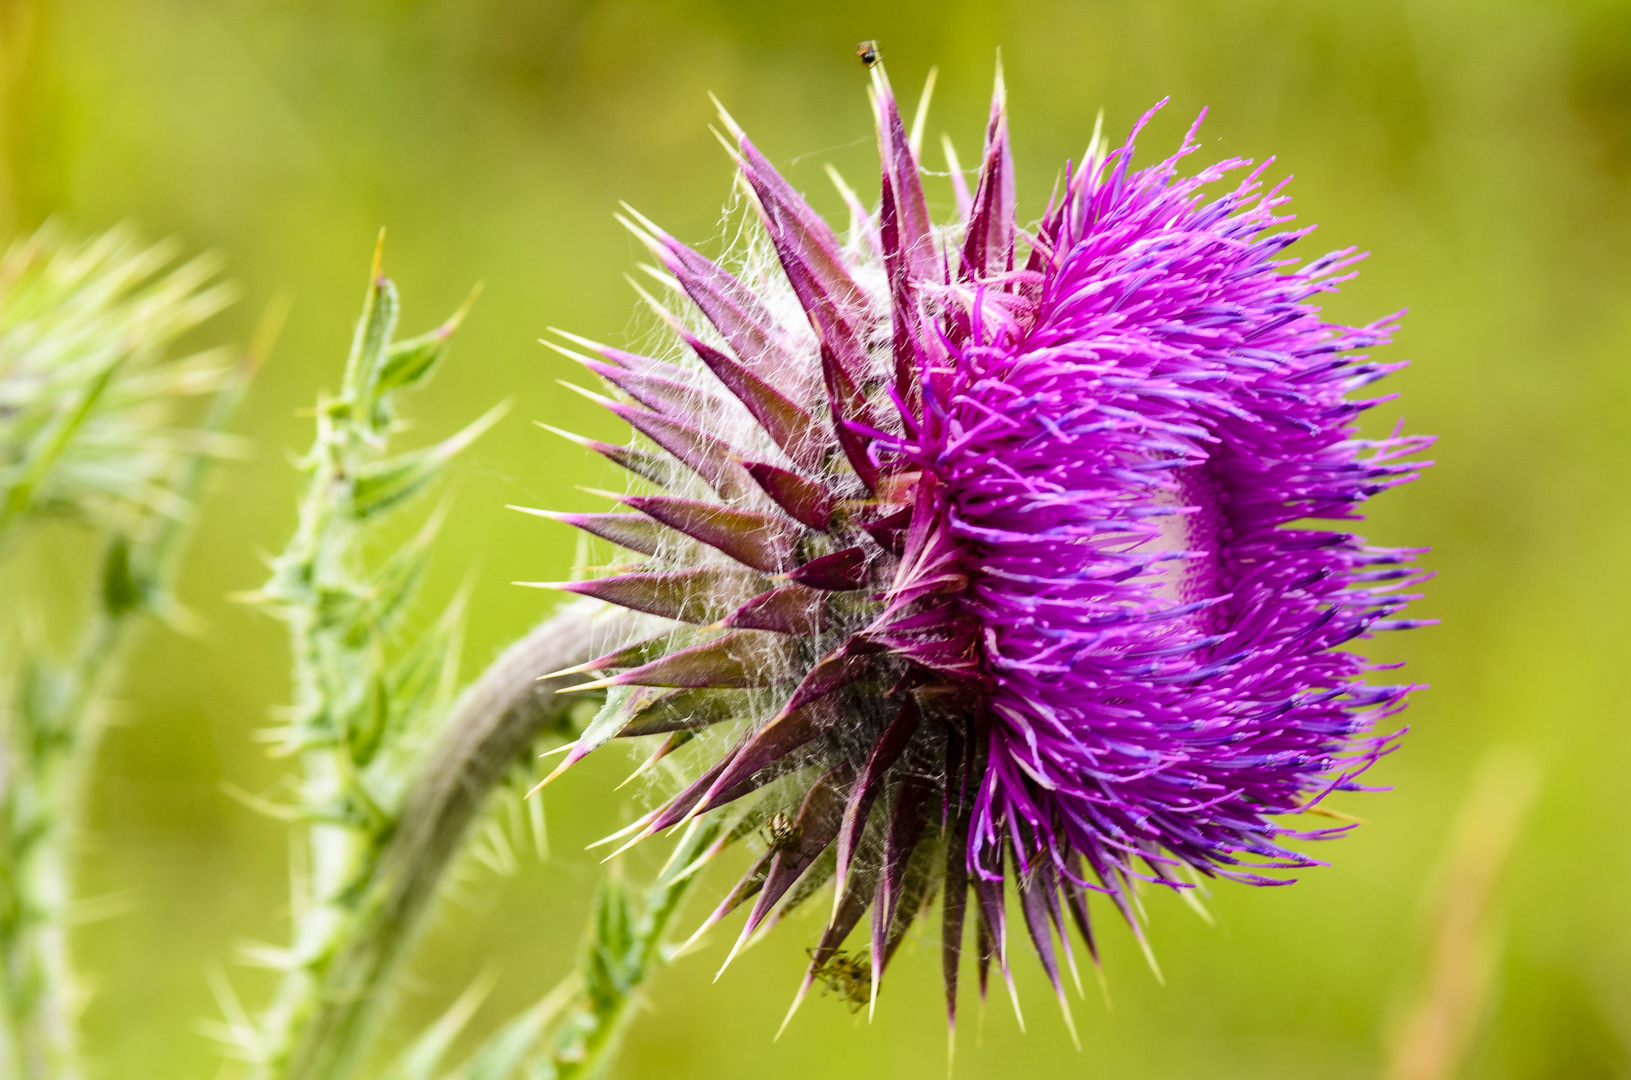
(1118, 473)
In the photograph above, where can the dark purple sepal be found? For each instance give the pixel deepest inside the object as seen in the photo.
(846, 664)
(788, 426)
(632, 655)
(890, 531)
(904, 187)
(908, 814)
(848, 403)
(1076, 904)
(954, 893)
(730, 306)
(742, 659)
(763, 541)
(703, 595)
(816, 823)
(684, 709)
(808, 251)
(988, 247)
(786, 732)
(841, 571)
(806, 501)
(666, 396)
(1035, 891)
(709, 457)
(886, 750)
(636, 532)
(791, 609)
(749, 886)
(850, 905)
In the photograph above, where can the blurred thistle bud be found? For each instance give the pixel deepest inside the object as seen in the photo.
(88, 393)
(993, 545)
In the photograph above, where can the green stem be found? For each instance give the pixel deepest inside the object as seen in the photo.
(55, 732)
(663, 901)
(330, 1012)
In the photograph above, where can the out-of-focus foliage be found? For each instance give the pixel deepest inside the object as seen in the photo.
(1479, 151)
(88, 391)
(91, 409)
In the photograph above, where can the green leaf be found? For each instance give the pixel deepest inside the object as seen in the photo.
(422, 1057)
(411, 361)
(521, 1039)
(364, 735)
(609, 961)
(121, 592)
(378, 487)
(372, 339)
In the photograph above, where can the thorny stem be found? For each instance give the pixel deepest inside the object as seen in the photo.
(663, 902)
(330, 1013)
(56, 728)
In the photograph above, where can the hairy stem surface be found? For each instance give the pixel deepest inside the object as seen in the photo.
(492, 726)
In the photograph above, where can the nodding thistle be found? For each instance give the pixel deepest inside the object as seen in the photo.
(999, 539)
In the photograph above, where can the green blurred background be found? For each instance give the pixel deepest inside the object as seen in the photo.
(1481, 151)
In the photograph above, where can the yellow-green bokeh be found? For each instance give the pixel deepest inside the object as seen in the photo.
(1480, 151)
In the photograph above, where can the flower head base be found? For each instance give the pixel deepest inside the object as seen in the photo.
(991, 539)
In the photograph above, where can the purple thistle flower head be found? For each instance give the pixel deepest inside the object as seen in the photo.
(993, 545)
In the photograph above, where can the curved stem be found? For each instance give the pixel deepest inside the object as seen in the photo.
(493, 724)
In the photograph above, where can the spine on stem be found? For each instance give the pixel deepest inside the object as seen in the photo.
(364, 706)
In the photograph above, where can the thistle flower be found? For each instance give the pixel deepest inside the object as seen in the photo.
(995, 542)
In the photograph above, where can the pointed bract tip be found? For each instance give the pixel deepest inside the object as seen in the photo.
(588, 343)
(455, 320)
(736, 948)
(1149, 958)
(1070, 1021)
(798, 1000)
(377, 271)
(551, 515)
(659, 310)
(1013, 996)
(646, 225)
(571, 759)
(598, 684)
(726, 118)
(915, 139)
(634, 826)
(570, 354)
(563, 433)
(638, 837)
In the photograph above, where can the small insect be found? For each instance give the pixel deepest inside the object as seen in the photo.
(868, 52)
(782, 833)
(850, 977)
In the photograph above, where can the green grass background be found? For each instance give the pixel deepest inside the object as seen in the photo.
(1481, 152)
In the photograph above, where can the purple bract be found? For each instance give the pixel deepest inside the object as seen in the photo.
(993, 544)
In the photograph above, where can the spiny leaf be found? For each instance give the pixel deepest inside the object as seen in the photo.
(419, 1061)
(376, 488)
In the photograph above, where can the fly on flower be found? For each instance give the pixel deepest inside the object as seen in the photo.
(989, 551)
